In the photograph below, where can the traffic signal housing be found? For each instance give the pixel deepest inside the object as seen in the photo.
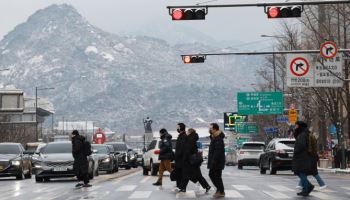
(283, 11)
(188, 59)
(179, 14)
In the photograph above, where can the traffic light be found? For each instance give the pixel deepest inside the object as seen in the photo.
(284, 11)
(188, 59)
(188, 14)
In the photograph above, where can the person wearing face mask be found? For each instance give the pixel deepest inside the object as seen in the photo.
(216, 159)
(179, 153)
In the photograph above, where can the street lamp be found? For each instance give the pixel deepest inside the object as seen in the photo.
(36, 108)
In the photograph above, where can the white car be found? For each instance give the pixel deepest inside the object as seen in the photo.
(250, 153)
(150, 157)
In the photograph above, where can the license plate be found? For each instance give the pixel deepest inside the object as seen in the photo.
(290, 155)
(59, 169)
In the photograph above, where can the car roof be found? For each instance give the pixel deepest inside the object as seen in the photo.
(60, 142)
(10, 143)
(284, 139)
(115, 143)
(254, 143)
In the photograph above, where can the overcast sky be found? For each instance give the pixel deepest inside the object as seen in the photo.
(118, 16)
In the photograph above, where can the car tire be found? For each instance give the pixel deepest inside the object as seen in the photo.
(29, 174)
(262, 169)
(272, 168)
(97, 173)
(240, 166)
(127, 167)
(154, 169)
(38, 179)
(145, 171)
(46, 179)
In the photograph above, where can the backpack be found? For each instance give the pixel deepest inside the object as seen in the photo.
(87, 148)
(312, 144)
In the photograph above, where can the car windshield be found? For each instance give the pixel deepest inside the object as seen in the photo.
(101, 149)
(57, 148)
(253, 146)
(9, 149)
(289, 143)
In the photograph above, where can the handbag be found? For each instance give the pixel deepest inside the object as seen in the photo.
(196, 159)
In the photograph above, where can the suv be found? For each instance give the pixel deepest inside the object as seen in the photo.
(249, 154)
(150, 157)
(126, 158)
(277, 156)
(14, 161)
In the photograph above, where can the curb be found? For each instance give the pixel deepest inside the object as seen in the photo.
(335, 171)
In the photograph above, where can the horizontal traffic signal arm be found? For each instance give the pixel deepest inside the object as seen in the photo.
(280, 10)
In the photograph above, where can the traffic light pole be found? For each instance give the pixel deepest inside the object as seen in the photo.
(262, 4)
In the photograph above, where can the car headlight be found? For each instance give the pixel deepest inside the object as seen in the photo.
(16, 162)
(126, 158)
(106, 160)
(132, 157)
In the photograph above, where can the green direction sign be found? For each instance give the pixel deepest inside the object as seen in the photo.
(241, 140)
(246, 128)
(260, 103)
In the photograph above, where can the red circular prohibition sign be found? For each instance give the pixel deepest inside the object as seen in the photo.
(305, 71)
(334, 45)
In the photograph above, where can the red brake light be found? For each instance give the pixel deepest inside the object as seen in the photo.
(177, 14)
(280, 151)
(241, 152)
(273, 12)
(157, 152)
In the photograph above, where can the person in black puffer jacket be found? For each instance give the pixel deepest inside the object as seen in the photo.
(166, 155)
(216, 158)
(190, 172)
(303, 162)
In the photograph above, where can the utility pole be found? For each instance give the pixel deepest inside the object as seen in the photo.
(36, 114)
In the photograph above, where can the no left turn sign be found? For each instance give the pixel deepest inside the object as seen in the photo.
(328, 50)
(299, 66)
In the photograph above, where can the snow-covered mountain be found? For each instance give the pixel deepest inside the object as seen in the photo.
(118, 80)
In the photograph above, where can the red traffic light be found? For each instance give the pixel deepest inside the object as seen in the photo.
(273, 12)
(283, 12)
(188, 14)
(177, 14)
(188, 59)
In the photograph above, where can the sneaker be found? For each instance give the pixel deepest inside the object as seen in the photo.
(176, 189)
(79, 185)
(219, 195)
(182, 191)
(157, 184)
(323, 187)
(299, 187)
(87, 185)
(207, 189)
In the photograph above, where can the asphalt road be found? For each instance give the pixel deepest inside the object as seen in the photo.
(131, 184)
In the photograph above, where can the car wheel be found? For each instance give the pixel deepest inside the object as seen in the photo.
(240, 166)
(272, 168)
(97, 173)
(91, 175)
(47, 179)
(262, 169)
(38, 179)
(154, 169)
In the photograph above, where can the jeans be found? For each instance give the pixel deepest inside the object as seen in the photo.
(318, 179)
(304, 182)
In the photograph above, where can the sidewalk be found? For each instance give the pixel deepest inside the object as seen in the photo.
(335, 170)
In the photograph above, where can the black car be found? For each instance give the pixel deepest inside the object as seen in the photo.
(126, 157)
(115, 157)
(55, 160)
(277, 156)
(14, 161)
(106, 158)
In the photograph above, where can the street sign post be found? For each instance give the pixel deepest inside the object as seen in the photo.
(282, 119)
(260, 103)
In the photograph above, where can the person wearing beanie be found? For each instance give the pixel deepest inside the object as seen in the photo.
(166, 155)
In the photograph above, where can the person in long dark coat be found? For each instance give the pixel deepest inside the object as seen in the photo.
(190, 172)
(216, 159)
(181, 129)
(303, 162)
(81, 164)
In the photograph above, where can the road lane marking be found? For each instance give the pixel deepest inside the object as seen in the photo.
(144, 180)
(190, 194)
(233, 194)
(322, 196)
(346, 188)
(276, 195)
(140, 195)
(125, 177)
(126, 188)
(242, 187)
(280, 188)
